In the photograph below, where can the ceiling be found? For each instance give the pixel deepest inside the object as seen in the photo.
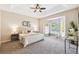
(24, 9)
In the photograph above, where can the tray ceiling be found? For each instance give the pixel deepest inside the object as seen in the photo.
(24, 9)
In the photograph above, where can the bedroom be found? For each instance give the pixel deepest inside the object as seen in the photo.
(20, 19)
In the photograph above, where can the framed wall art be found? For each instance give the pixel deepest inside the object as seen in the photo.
(26, 23)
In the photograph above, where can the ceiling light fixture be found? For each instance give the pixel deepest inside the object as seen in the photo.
(38, 8)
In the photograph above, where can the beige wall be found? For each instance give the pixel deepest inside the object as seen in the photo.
(0, 28)
(78, 24)
(69, 16)
(9, 19)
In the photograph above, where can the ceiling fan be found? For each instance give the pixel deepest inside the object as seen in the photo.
(38, 8)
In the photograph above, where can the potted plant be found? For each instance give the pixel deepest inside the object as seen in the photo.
(72, 31)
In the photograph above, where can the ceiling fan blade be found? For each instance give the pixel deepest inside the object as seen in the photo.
(40, 11)
(42, 8)
(34, 10)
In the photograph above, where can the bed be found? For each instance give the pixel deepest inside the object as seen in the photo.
(27, 39)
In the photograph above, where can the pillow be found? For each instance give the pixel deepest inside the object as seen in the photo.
(22, 30)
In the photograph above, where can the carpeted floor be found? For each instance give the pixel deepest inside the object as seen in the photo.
(50, 45)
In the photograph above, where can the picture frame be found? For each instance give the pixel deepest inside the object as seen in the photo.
(26, 23)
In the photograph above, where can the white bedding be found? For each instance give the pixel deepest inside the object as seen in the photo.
(30, 38)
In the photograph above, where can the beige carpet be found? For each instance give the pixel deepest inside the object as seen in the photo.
(10, 47)
(50, 45)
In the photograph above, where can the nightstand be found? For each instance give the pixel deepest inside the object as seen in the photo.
(14, 37)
